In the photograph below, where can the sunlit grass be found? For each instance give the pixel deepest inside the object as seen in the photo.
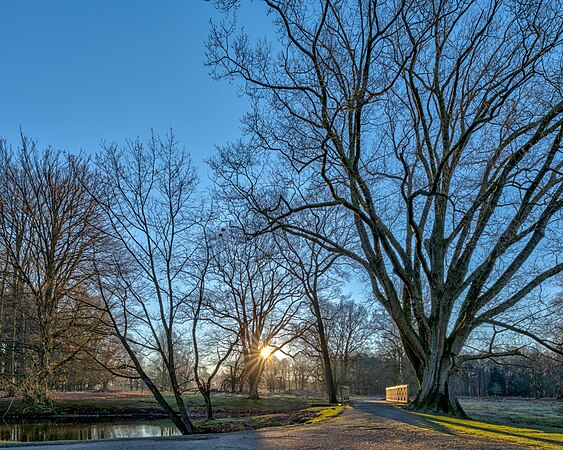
(324, 413)
(309, 416)
(515, 411)
(539, 437)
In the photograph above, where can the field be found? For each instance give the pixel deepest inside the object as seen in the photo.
(535, 423)
(509, 411)
(143, 403)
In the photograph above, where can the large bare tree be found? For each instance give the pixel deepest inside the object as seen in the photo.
(435, 128)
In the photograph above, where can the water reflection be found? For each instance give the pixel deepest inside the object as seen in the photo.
(59, 430)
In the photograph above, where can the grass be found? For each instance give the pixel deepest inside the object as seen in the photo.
(137, 403)
(539, 437)
(326, 413)
(512, 411)
(308, 415)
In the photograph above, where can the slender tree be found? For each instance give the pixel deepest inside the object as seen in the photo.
(311, 265)
(207, 329)
(144, 281)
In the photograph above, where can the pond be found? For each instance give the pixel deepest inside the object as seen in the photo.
(58, 430)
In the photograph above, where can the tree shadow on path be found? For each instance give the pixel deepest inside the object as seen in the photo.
(386, 410)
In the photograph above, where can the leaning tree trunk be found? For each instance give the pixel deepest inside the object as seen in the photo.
(435, 393)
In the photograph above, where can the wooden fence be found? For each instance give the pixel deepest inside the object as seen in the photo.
(397, 394)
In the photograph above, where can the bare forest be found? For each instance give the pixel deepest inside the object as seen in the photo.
(391, 214)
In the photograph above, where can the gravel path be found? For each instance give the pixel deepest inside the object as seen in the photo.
(369, 424)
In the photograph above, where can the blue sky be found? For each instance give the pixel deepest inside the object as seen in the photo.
(76, 72)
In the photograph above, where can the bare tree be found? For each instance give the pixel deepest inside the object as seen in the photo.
(436, 128)
(257, 300)
(49, 225)
(311, 265)
(208, 329)
(144, 282)
(350, 330)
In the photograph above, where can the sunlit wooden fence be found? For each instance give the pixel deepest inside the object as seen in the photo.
(397, 394)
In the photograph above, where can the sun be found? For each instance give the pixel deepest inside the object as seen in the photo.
(265, 352)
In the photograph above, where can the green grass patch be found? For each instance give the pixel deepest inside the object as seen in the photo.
(540, 437)
(137, 403)
(303, 416)
(325, 413)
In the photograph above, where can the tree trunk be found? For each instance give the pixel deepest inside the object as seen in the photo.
(435, 394)
(185, 426)
(254, 365)
(329, 377)
(254, 381)
(208, 407)
(205, 391)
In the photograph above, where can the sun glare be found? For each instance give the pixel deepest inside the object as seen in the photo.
(265, 352)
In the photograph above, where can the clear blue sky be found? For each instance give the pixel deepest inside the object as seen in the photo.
(75, 72)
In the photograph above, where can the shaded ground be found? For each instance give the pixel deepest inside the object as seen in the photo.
(368, 424)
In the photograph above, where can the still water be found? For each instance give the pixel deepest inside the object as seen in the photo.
(63, 430)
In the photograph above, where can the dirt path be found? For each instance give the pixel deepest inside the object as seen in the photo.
(369, 424)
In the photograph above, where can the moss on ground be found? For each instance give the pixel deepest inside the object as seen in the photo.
(326, 413)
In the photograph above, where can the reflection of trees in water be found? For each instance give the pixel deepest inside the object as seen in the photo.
(56, 430)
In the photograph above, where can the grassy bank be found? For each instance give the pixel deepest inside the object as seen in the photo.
(143, 404)
(539, 437)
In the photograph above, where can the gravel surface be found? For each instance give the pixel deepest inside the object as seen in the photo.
(369, 424)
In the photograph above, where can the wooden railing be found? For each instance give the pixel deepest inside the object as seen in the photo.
(397, 394)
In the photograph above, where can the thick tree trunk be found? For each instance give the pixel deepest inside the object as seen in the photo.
(253, 385)
(254, 365)
(435, 393)
(330, 384)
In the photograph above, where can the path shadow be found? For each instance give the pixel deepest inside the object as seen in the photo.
(386, 410)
